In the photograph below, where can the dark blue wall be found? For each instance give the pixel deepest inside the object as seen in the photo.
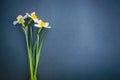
(83, 43)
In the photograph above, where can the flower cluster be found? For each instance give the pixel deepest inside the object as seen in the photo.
(35, 42)
(38, 22)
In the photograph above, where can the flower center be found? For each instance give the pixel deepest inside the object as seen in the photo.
(20, 20)
(42, 24)
(34, 16)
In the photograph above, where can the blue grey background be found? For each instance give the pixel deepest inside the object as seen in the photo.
(83, 43)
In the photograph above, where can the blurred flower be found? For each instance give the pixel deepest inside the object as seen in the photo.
(42, 24)
(32, 43)
(33, 16)
(20, 19)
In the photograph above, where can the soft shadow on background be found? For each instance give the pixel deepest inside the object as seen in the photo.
(83, 43)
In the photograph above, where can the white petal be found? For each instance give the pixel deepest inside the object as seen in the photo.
(36, 20)
(28, 14)
(37, 25)
(46, 24)
(40, 21)
(48, 27)
(15, 22)
(19, 16)
(25, 16)
(32, 13)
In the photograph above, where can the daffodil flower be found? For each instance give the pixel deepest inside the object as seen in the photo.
(33, 16)
(20, 19)
(42, 24)
(34, 44)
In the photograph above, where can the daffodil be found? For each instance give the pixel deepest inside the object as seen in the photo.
(42, 24)
(20, 19)
(34, 43)
(33, 16)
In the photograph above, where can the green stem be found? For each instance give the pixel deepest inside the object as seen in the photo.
(29, 22)
(37, 44)
(31, 46)
(29, 56)
(35, 77)
(39, 53)
(35, 47)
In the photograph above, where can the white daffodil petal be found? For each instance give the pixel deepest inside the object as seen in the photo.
(37, 25)
(25, 16)
(15, 22)
(46, 24)
(48, 27)
(19, 16)
(28, 14)
(36, 20)
(32, 13)
(40, 20)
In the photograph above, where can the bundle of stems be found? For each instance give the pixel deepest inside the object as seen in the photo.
(34, 42)
(34, 48)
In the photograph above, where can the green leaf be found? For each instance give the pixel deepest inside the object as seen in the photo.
(39, 30)
(31, 38)
(29, 22)
(35, 46)
(39, 51)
